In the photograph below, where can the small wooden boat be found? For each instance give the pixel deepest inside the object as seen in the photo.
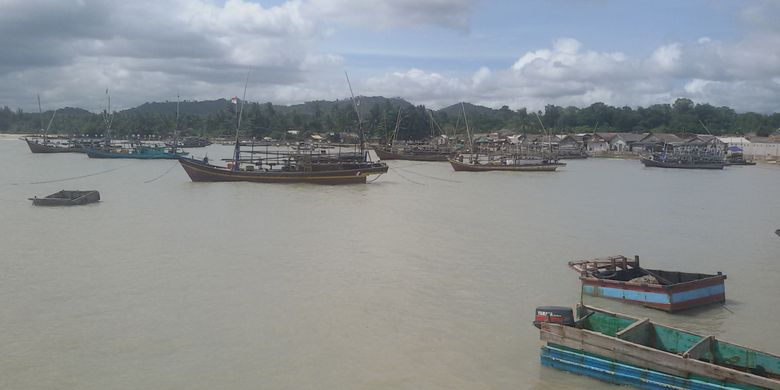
(515, 165)
(67, 198)
(412, 155)
(682, 162)
(47, 146)
(617, 277)
(625, 350)
(137, 152)
(336, 172)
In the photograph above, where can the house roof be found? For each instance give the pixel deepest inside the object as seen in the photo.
(607, 136)
(631, 137)
(734, 140)
(652, 138)
(763, 140)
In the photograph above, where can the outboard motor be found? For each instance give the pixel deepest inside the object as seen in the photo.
(556, 314)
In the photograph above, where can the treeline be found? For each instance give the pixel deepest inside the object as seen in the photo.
(380, 115)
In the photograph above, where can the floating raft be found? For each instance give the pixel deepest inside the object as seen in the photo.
(67, 198)
(625, 350)
(620, 278)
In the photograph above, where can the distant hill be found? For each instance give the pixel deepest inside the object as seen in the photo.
(206, 107)
(71, 111)
(455, 110)
(199, 108)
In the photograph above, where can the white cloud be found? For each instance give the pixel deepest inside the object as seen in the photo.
(666, 57)
(567, 74)
(145, 50)
(385, 14)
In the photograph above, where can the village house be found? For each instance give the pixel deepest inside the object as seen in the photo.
(656, 142)
(763, 148)
(596, 144)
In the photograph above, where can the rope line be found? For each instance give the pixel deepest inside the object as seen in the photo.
(406, 178)
(428, 176)
(70, 178)
(163, 174)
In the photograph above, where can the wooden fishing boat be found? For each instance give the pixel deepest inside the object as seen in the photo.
(434, 148)
(47, 146)
(685, 161)
(620, 278)
(512, 165)
(287, 167)
(625, 350)
(137, 152)
(296, 171)
(412, 154)
(738, 159)
(67, 198)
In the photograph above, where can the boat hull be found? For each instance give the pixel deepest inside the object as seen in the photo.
(661, 164)
(36, 147)
(670, 298)
(609, 370)
(68, 198)
(388, 155)
(199, 171)
(95, 153)
(639, 352)
(531, 167)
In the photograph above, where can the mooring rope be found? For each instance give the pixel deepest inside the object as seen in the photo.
(69, 178)
(413, 164)
(428, 176)
(164, 173)
(374, 179)
(406, 178)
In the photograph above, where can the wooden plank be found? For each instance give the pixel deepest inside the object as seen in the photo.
(639, 355)
(701, 349)
(639, 332)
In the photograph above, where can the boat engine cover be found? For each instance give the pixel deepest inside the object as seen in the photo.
(556, 314)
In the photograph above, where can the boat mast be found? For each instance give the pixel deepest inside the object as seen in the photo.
(50, 122)
(468, 130)
(397, 126)
(549, 138)
(360, 122)
(40, 115)
(237, 149)
(176, 128)
(107, 119)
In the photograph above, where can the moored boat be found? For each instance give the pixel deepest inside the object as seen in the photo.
(46, 145)
(412, 154)
(67, 198)
(683, 161)
(433, 148)
(620, 278)
(626, 350)
(136, 152)
(537, 165)
(296, 171)
(292, 167)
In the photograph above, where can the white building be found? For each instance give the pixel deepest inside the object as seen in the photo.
(758, 148)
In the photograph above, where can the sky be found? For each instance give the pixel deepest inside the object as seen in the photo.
(434, 52)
